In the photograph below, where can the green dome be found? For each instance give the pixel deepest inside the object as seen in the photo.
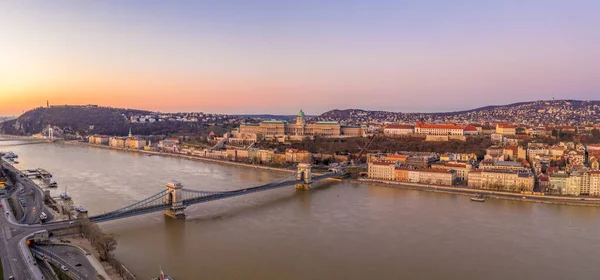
(301, 114)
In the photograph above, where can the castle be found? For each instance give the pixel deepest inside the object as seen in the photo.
(283, 130)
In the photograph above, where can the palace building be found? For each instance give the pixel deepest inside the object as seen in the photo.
(300, 129)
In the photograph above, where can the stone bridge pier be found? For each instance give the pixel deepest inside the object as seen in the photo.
(304, 175)
(175, 199)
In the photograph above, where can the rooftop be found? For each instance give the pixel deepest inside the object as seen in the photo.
(399, 126)
(324, 122)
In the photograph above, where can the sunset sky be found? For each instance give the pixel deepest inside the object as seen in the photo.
(279, 56)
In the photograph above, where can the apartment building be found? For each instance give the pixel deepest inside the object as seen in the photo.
(503, 180)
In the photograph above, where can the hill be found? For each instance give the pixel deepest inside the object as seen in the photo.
(86, 120)
(573, 112)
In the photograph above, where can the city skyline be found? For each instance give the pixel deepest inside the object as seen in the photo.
(274, 57)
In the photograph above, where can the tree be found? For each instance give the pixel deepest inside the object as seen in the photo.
(106, 244)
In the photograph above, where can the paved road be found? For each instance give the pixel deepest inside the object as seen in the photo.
(34, 198)
(17, 260)
(71, 256)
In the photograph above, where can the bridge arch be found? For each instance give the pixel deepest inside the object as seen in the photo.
(304, 175)
(174, 198)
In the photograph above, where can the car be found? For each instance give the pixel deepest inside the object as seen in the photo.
(64, 268)
(78, 264)
(71, 222)
(11, 278)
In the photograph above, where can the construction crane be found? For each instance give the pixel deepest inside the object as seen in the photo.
(363, 149)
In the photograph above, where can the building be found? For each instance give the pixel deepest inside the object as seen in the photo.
(558, 183)
(437, 176)
(502, 180)
(135, 143)
(438, 129)
(397, 158)
(297, 156)
(420, 161)
(462, 169)
(401, 174)
(514, 153)
(595, 183)
(382, 170)
(282, 129)
(532, 152)
(470, 130)
(502, 165)
(98, 140)
(118, 142)
(398, 129)
(506, 129)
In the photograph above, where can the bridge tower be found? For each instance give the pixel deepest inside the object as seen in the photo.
(174, 198)
(304, 175)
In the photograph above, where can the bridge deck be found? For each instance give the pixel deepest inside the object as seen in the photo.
(158, 201)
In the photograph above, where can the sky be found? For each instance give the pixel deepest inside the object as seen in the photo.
(279, 56)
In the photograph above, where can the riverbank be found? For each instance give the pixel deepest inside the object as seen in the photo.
(184, 156)
(548, 199)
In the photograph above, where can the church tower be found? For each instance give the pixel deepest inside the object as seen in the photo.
(300, 118)
(130, 135)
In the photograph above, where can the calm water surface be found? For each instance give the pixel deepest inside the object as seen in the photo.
(338, 231)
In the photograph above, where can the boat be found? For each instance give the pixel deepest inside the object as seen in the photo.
(478, 198)
(80, 209)
(15, 161)
(163, 276)
(46, 179)
(65, 196)
(53, 185)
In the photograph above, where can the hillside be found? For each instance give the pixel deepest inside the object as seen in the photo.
(86, 120)
(573, 112)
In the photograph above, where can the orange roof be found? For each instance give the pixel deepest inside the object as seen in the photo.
(470, 128)
(512, 148)
(439, 126)
(399, 126)
(383, 162)
(396, 157)
(505, 125)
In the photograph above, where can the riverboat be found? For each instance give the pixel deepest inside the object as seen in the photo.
(80, 209)
(479, 198)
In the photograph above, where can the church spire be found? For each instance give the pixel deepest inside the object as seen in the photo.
(130, 132)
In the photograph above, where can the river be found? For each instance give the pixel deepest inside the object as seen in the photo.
(339, 230)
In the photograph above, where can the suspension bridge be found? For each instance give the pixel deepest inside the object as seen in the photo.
(175, 198)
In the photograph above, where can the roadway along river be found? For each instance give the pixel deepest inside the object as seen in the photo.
(338, 231)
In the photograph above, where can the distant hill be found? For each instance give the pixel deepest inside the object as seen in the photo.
(86, 120)
(534, 112)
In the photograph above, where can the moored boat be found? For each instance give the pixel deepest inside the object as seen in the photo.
(478, 198)
(80, 209)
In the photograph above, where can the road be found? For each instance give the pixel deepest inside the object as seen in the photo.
(27, 190)
(70, 257)
(17, 260)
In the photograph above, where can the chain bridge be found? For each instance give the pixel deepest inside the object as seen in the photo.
(175, 198)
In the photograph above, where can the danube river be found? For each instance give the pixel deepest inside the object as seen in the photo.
(337, 231)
